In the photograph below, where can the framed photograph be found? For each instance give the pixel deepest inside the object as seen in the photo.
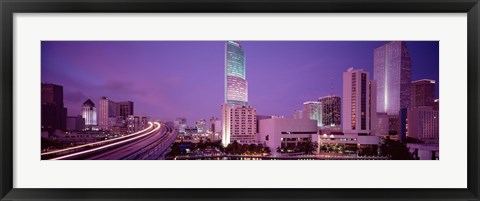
(264, 100)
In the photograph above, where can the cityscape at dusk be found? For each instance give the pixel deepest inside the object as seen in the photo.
(240, 100)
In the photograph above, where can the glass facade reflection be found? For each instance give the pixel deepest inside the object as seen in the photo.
(236, 88)
(393, 73)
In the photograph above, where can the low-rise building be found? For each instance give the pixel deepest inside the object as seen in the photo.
(283, 133)
(338, 142)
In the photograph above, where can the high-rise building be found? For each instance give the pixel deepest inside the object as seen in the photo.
(53, 112)
(422, 93)
(372, 101)
(422, 116)
(236, 87)
(124, 109)
(422, 124)
(106, 113)
(89, 113)
(240, 124)
(238, 119)
(331, 110)
(393, 72)
(313, 110)
(355, 104)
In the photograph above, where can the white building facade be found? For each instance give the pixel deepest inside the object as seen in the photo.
(240, 124)
(281, 132)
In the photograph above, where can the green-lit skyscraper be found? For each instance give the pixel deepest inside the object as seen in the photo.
(236, 87)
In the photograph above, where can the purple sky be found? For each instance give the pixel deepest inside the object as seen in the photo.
(170, 79)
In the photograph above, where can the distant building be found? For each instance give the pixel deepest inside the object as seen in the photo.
(106, 113)
(215, 125)
(181, 123)
(422, 117)
(422, 93)
(124, 109)
(298, 114)
(313, 110)
(75, 123)
(331, 111)
(201, 126)
(423, 124)
(356, 102)
(53, 112)
(89, 113)
(136, 123)
(286, 133)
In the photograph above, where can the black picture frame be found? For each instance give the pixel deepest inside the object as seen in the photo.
(10, 7)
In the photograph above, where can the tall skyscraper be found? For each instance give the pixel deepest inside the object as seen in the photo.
(355, 104)
(106, 110)
(331, 110)
(236, 87)
(124, 109)
(53, 112)
(393, 72)
(313, 110)
(238, 118)
(89, 113)
(423, 93)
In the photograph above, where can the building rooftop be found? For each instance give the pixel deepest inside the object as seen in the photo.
(89, 103)
(424, 80)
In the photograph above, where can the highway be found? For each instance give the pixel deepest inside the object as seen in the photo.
(149, 144)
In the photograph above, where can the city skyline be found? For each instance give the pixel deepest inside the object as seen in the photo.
(165, 87)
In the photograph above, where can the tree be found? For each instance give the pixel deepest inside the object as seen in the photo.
(310, 147)
(395, 150)
(174, 150)
(279, 150)
(251, 148)
(267, 150)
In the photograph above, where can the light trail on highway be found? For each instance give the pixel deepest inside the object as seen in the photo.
(110, 145)
(150, 125)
